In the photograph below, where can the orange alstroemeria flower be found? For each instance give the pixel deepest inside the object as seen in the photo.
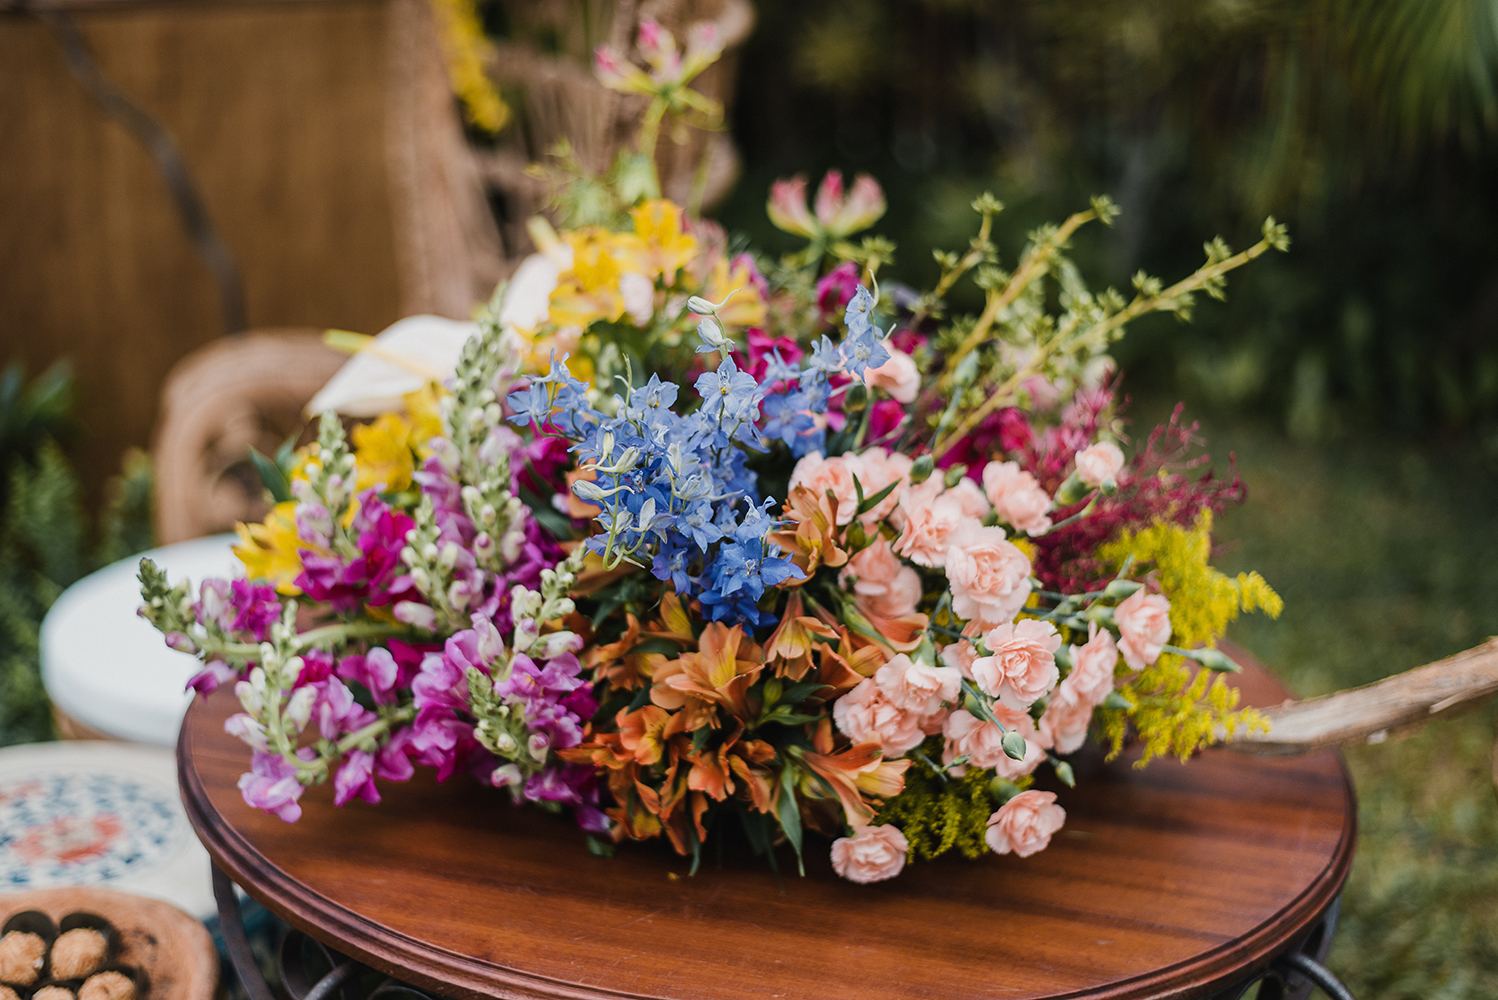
(814, 541)
(719, 673)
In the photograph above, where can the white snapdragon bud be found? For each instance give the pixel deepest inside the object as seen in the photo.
(505, 743)
(247, 729)
(538, 745)
(250, 695)
(298, 710)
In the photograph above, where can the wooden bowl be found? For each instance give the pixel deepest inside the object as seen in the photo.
(172, 950)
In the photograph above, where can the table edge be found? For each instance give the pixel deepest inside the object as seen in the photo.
(463, 978)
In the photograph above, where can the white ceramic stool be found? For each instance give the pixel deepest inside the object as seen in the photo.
(105, 666)
(91, 812)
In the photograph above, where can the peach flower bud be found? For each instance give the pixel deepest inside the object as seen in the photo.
(865, 715)
(1064, 724)
(1091, 677)
(932, 521)
(916, 687)
(1025, 824)
(885, 586)
(1143, 627)
(836, 474)
(989, 576)
(1099, 463)
(1022, 668)
(872, 854)
(1017, 497)
(787, 207)
(898, 376)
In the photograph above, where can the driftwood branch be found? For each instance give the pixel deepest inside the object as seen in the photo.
(1369, 714)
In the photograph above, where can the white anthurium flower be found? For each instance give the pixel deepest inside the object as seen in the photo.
(401, 359)
(527, 301)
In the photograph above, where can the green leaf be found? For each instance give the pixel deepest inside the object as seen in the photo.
(790, 814)
(272, 476)
(867, 504)
(659, 644)
(600, 848)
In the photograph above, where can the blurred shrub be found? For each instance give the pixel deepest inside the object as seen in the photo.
(44, 535)
(1368, 125)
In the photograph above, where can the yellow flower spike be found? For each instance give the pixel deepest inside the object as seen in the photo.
(382, 452)
(269, 550)
(665, 248)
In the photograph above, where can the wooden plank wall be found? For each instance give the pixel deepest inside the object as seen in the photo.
(279, 109)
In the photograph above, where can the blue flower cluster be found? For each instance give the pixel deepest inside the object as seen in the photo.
(675, 490)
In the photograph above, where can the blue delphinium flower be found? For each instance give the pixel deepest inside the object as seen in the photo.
(676, 491)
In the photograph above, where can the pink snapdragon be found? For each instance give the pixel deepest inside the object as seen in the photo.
(272, 784)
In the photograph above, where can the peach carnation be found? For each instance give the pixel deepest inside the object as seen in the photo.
(989, 576)
(835, 474)
(1091, 677)
(898, 376)
(1099, 463)
(1064, 724)
(971, 498)
(1017, 497)
(932, 521)
(916, 687)
(872, 854)
(884, 585)
(1022, 667)
(1025, 824)
(1143, 628)
(865, 715)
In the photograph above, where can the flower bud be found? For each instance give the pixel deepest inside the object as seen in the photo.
(1072, 490)
(1014, 745)
(857, 398)
(1215, 659)
(1117, 590)
(955, 474)
(922, 469)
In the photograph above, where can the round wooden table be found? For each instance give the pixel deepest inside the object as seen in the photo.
(1172, 881)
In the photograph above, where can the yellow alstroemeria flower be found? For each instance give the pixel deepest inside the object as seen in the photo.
(589, 290)
(424, 409)
(662, 249)
(269, 550)
(382, 452)
(746, 307)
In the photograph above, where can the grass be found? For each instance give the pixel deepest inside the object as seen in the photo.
(1387, 557)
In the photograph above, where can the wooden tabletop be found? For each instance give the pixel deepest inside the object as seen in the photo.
(1165, 882)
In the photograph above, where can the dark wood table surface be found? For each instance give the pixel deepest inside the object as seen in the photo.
(1172, 881)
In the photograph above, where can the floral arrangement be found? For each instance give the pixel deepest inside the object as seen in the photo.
(692, 540)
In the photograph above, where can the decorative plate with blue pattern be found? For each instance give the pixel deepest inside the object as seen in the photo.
(96, 812)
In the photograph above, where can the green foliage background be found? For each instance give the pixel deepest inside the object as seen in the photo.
(45, 538)
(1367, 125)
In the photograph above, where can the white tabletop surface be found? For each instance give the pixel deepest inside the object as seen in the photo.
(96, 812)
(106, 666)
